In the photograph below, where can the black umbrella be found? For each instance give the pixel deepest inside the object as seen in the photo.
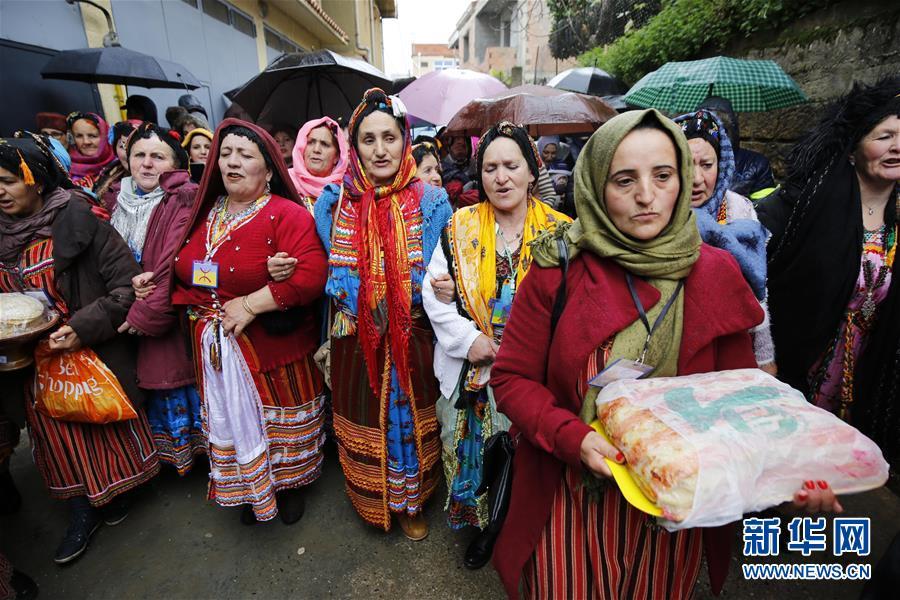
(299, 87)
(588, 80)
(115, 64)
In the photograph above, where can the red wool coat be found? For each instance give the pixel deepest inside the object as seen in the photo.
(164, 360)
(534, 377)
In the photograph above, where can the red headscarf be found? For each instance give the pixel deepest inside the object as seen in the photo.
(385, 287)
(212, 186)
(88, 167)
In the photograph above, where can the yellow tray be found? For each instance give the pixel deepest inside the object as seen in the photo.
(625, 481)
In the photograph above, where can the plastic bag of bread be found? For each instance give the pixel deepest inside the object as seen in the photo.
(706, 449)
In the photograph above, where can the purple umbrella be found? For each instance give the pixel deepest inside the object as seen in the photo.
(435, 97)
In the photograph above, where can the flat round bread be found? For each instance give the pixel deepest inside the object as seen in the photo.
(18, 313)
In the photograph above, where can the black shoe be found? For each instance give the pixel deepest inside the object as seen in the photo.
(115, 512)
(10, 498)
(291, 505)
(479, 551)
(84, 524)
(23, 585)
(248, 517)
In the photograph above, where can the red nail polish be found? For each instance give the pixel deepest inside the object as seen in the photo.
(810, 485)
(802, 494)
(823, 485)
(620, 457)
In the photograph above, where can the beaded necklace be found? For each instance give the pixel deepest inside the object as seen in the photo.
(220, 224)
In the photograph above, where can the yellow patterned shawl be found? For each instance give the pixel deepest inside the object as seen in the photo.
(472, 239)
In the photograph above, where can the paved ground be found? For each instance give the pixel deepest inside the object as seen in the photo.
(176, 545)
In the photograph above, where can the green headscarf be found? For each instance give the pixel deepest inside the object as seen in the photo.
(671, 254)
(661, 261)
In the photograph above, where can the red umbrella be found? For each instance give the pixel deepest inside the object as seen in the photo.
(544, 110)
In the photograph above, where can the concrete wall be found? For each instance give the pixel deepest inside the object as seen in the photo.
(360, 19)
(855, 40)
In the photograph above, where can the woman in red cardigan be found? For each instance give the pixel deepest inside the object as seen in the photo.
(567, 535)
(254, 337)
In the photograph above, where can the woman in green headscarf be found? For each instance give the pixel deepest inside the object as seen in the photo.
(634, 247)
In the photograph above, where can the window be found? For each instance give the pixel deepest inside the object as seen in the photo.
(465, 43)
(446, 63)
(229, 15)
(280, 43)
(217, 10)
(191, 2)
(243, 24)
(424, 64)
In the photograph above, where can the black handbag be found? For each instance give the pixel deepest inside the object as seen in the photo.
(500, 448)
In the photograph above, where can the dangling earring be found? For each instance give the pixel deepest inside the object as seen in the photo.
(852, 161)
(268, 187)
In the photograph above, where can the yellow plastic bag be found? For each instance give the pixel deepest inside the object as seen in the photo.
(78, 386)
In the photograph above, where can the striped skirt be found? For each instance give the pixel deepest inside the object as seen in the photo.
(609, 550)
(287, 404)
(97, 461)
(367, 433)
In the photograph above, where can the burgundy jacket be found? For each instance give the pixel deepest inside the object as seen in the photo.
(164, 361)
(534, 378)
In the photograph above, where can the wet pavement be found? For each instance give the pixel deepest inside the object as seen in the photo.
(175, 544)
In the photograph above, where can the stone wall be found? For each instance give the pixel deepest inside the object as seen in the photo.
(825, 53)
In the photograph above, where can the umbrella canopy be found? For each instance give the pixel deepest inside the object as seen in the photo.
(115, 64)
(299, 87)
(435, 97)
(588, 80)
(750, 85)
(544, 110)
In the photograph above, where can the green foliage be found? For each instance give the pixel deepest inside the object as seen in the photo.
(579, 25)
(502, 76)
(684, 27)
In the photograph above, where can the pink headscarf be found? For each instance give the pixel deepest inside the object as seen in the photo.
(90, 166)
(307, 183)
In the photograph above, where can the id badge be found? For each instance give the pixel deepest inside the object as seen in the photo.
(205, 274)
(499, 311)
(622, 368)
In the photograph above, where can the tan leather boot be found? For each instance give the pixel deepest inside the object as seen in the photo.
(414, 528)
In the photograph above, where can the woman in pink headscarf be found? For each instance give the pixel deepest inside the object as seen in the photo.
(320, 157)
(89, 147)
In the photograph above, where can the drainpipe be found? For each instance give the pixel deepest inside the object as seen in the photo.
(356, 22)
(372, 28)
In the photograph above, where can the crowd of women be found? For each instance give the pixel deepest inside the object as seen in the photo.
(228, 305)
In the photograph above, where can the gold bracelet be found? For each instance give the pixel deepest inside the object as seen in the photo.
(246, 304)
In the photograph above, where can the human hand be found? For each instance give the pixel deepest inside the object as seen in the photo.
(126, 327)
(483, 351)
(142, 286)
(770, 368)
(281, 266)
(594, 450)
(815, 497)
(236, 317)
(64, 339)
(444, 288)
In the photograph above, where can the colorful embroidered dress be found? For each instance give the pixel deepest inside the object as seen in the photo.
(388, 442)
(486, 279)
(78, 459)
(831, 378)
(262, 414)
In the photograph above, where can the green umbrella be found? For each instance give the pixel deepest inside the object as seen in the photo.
(750, 85)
